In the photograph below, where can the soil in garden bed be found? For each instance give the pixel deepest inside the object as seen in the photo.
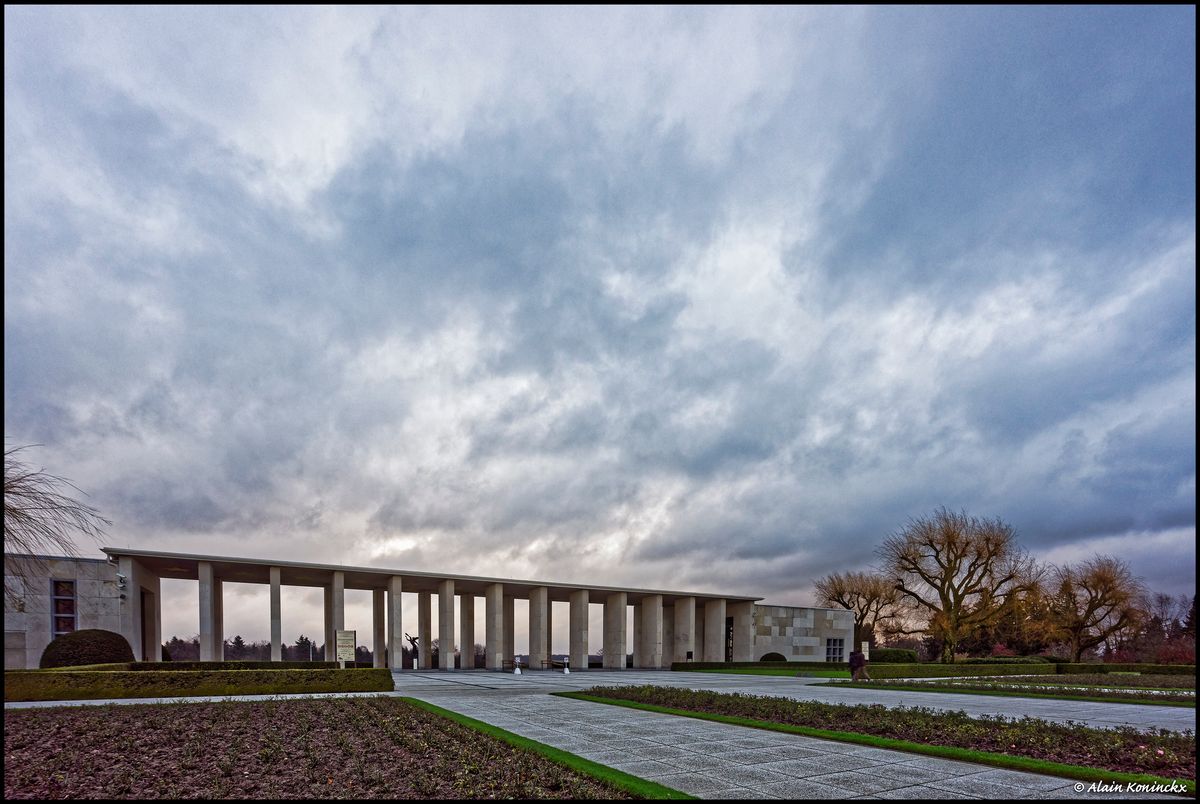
(332, 748)
(1161, 752)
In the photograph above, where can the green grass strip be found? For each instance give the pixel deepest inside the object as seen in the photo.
(1029, 764)
(622, 781)
(1009, 694)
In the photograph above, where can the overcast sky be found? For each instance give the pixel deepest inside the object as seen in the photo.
(707, 299)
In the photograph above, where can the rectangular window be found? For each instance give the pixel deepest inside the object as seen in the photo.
(63, 605)
(835, 650)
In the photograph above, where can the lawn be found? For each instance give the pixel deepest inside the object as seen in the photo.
(330, 748)
(1025, 743)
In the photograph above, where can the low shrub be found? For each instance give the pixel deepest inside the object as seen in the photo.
(785, 665)
(67, 685)
(945, 670)
(1161, 669)
(773, 657)
(231, 665)
(893, 656)
(1053, 659)
(89, 646)
(1006, 660)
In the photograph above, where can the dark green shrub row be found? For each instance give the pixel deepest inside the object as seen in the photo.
(944, 670)
(1008, 660)
(1164, 669)
(893, 656)
(31, 685)
(785, 665)
(89, 646)
(232, 665)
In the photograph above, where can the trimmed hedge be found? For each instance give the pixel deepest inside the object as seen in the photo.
(893, 656)
(89, 646)
(1164, 669)
(946, 670)
(232, 665)
(1007, 660)
(32, 685)
(784, 665)
(773, 657)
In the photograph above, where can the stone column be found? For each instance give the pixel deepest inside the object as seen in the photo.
(466, 631)
(395, 622)
(614, 630)
(668, 636)
(339, 606)
(446, 624)
(379, 627)
(330, 645)
(510, 623)
(208, 610)
(685, 629)
(493, 624)
(579, 630)
(424, 630)
(637, 635)
(218, 620)
(157, 628)
(714, 631)
(276, 617)
(538, 603)
(652, 617)
(742, 613)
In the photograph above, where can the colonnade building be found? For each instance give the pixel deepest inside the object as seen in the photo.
(123, 594)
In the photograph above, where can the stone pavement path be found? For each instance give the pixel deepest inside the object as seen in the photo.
(1099, 715)
(715, 760)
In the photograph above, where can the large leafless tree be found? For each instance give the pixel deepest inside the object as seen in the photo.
(40, 518)
(1093, 600)
(871, 597)
(958, 572)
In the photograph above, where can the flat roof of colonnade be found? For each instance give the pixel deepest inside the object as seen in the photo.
(185, 566)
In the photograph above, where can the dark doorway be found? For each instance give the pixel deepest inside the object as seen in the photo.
(729, 639)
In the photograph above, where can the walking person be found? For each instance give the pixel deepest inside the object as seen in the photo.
(858, 666)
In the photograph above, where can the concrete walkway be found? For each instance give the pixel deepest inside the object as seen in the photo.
(715, 760)
(1097, 715)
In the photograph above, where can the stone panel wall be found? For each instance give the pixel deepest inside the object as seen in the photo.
(799, 633)
(27, 627)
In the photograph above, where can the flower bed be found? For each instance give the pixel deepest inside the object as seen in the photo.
(332, 748)
(1162, 753)
(1051, 686)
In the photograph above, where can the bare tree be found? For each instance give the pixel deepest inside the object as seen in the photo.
(1094, 600)
(959, 572)
(40, 519)
(871, 597)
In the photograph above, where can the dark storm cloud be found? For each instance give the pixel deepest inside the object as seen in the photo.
(722, 298)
